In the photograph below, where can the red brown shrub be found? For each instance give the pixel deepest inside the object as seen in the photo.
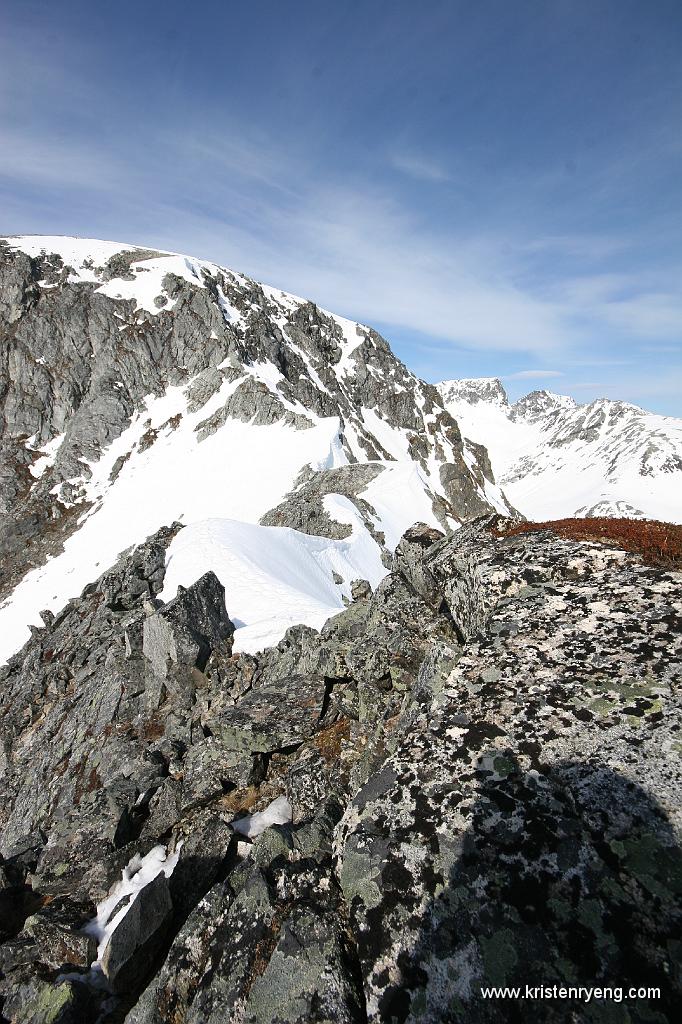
(656, 543)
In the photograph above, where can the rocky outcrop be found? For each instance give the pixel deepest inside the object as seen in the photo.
(482, 761)
(303, 509)
(188, 628)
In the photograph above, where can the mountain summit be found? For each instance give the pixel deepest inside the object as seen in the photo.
(141, 388)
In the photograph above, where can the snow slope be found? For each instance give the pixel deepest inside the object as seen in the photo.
(274, 577)
(556, 458)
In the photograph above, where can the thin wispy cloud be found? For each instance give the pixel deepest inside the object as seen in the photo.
(533, 374)
(479, 221)
(592, 247)
(350, 249)
(419, 166)
(59, 163)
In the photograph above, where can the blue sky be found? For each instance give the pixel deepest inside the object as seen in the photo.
(494, 185)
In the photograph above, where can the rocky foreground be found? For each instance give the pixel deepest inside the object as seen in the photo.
(476, 770)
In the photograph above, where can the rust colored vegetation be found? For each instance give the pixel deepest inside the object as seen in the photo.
(656, 543)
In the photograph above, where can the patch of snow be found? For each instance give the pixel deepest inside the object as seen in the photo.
(231, 314)
(73, 251)
(279, 812)
(353, 337)
(47, 459)
(392, 439)
(285, 299)
(145, 287)
(400, 496)
(138, 873)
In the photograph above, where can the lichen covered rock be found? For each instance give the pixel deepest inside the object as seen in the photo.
(482, 758)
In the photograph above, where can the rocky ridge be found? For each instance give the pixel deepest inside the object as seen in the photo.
(555, 457)
(475, 768)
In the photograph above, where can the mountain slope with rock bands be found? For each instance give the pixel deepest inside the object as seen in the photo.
(138, 388)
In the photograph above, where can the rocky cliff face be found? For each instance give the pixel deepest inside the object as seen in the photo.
(469, 777)
(140, 387)
(557, 458)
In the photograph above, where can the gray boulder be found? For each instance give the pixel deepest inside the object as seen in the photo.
(138, 936)
(185, 630)
(273, 717)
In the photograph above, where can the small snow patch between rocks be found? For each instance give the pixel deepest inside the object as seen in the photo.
(279, 812)
(138, 873)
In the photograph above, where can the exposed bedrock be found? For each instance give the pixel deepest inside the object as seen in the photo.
(468, 777)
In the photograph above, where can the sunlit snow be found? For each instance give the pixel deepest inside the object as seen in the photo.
(159, 471)
(138, 873)
(274, 577)
(547, 473)
(279, 812)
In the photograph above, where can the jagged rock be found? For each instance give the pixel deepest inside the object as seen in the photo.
(171, 993)
(138, 935)
(273, 717)
(209, 769)
(308, 784)
(207, 847)
(203, 387)
(303, 509)
(408, 559)
(245, 928)
(308, 977)
(185, 631)
(512, 777)
(38, 1001)
(23, 853)
(360, 589)
(233, 673)
(57, 931)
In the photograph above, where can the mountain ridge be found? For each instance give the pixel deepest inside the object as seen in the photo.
(556, 457)
(306, 727)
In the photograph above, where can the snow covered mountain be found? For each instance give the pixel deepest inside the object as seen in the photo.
(142, 388)
(556, 458)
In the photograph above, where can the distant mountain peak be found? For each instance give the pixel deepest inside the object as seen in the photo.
(539, 403)
(555, 457)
